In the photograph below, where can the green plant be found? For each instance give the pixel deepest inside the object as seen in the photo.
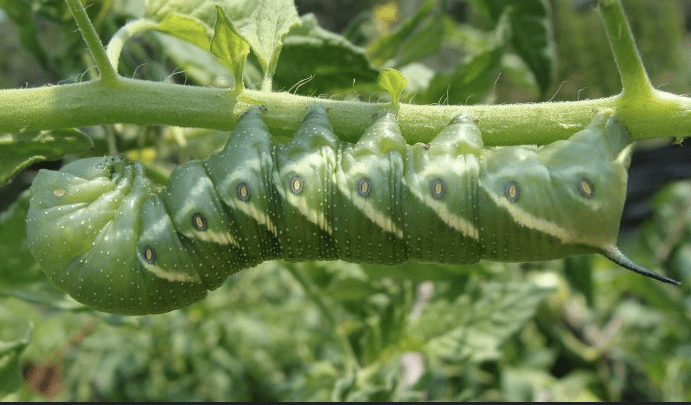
(466, 332)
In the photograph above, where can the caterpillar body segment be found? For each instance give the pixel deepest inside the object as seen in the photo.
(102, 232)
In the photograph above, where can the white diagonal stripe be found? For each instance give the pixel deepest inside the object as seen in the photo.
(222, 238)
(530, 221)
(298, 201)
(170, 276)
(382, 220)
(455, 221)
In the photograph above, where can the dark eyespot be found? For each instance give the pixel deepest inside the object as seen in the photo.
(149, 255)
(438, 188)
(512, 191)
(243, 192)
(586, 187)
(198, 222)
(364, 187)
(296, 184)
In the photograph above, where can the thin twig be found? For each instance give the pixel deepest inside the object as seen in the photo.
(92, 40)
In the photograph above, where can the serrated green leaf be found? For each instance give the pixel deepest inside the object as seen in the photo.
(330, 61)
(262, 23)
(525, 384)
(187, 28)
(18, 151)
(204, 10)
(229, 47)
(393, 82)
(265, 29)
(10, 378)
(533, 42)
(475, 325)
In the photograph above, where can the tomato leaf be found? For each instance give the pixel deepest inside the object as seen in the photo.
(530, 34)
(18, 151)
(10, 378)
(229, 47)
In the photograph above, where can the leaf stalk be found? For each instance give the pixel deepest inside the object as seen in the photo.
(107, 72)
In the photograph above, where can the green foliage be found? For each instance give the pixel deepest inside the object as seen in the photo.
(417, 37)
(229, 47)
(393, 82)
(583, 329)
(22, 13)
(340, 67)
(530, 33)
(10, 379)
(17, 151)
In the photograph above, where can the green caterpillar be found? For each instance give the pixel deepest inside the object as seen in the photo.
(103, 233)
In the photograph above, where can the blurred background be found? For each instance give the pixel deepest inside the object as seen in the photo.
(575, 329)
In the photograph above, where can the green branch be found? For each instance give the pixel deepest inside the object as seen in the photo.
(90, 36)
(634, 79)
(142, 102)
(640, 105)
(117, 42)
(648, 113)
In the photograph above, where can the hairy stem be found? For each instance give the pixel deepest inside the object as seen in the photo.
(648, 113)
(144, 102)
(634, 79)
(118, 41)
(640, 104)
(90, 36)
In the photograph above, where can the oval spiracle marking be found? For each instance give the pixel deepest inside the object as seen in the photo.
(243, 192)
(199, 222)
(364, 187)
(438, 189)
(296, 184)
(512, 191)
(149, 255)
(586, 187)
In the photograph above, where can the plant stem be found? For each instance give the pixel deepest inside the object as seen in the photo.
(92, 40)
(640, 105)
(648, 113)
(117, 42)
(634, 79)
(143, 102)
